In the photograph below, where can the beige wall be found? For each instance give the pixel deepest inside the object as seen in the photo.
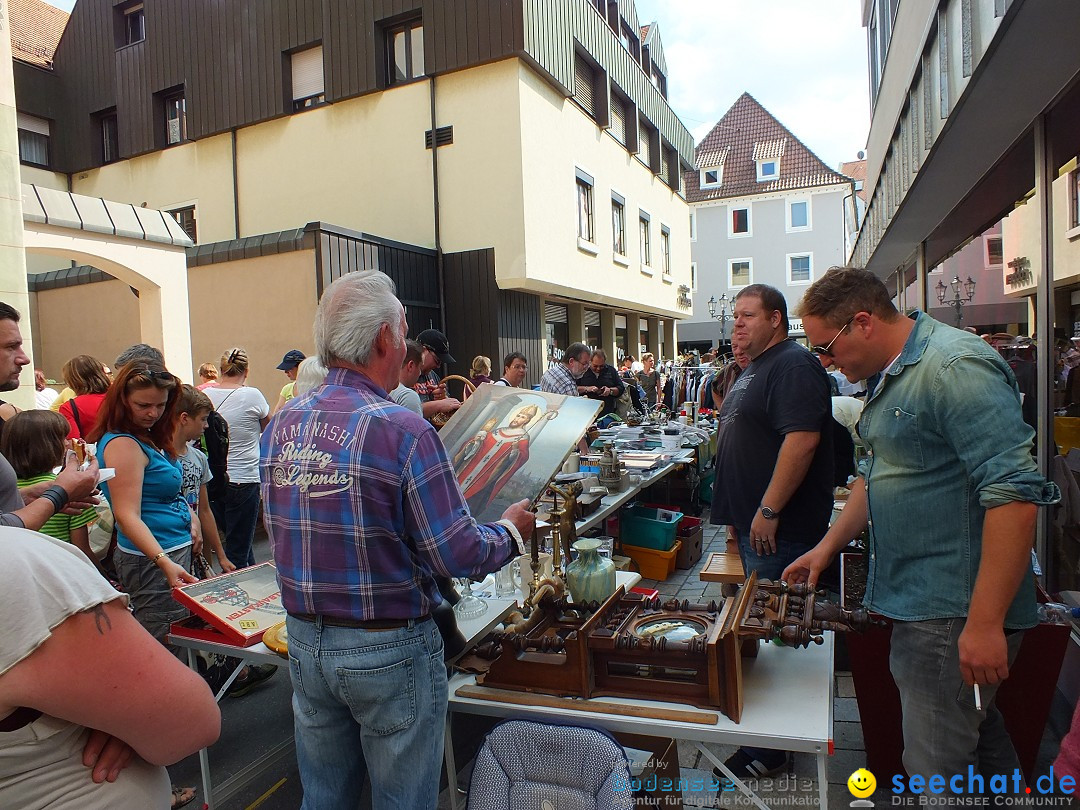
(198, 173)
(265, 305)
(359, 164)
(37, 262)
(481, 193)
(1020, 237)
(97, 319)
(558, 137)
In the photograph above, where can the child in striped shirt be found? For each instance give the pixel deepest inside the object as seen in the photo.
(35, 443)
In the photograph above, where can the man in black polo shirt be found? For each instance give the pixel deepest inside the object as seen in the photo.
(601, 381)
(774, 458)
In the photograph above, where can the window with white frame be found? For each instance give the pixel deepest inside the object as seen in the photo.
(665, 249)
(693, 276)
(798, 215)
(768, 170)
(585, 206)
(740, 272)
(644, 240)
(800, 268)
(739, 221)
(307, 77)
(711, 178)
(693, 226)
(618, 224)
(34, 134)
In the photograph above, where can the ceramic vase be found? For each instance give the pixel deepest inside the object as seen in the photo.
(590, 577)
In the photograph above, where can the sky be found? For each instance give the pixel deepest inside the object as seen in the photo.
(803, 60)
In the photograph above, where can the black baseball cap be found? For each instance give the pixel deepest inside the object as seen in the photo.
(436, 341)
(291, 360)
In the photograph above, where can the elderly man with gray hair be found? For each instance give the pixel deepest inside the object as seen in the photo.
(363, 512)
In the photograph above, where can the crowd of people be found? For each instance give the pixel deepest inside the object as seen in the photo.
(361, 567)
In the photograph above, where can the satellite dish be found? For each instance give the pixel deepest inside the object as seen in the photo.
(861, 155)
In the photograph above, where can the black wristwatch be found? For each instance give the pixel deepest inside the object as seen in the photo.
(768, 513)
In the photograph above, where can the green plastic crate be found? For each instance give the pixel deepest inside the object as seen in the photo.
(646, 527)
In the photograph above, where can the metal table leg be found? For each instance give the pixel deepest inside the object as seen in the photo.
(451, 765)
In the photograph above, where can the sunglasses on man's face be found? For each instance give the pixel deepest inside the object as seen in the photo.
(827, 348)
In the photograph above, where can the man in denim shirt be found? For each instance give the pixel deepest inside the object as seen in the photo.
(946, 444)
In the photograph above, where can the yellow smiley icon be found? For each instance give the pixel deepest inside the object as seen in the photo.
(861, 783)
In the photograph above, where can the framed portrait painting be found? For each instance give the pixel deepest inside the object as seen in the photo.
(506, 443)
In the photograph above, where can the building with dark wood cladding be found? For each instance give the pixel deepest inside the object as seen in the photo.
(548, 210)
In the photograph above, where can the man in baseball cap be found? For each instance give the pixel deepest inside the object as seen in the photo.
(289, 364)
(432, 393)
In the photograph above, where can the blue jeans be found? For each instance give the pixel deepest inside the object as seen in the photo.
(237, 512)
(943, 731)
(767, 566)
(368, 696)
(770, 566)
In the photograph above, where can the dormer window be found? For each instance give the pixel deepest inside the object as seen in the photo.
(711, 178)
(768, 170)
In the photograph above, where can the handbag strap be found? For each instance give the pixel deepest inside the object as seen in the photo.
(75, 416)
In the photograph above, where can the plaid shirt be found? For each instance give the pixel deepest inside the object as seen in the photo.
(559, 380)
(363, 508)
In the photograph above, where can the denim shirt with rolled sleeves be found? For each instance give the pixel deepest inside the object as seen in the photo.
(946, 442)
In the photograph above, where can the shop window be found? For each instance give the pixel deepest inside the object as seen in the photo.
(405, 52)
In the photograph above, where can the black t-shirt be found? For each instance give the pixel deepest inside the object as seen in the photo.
(783, 390)
(607, 378)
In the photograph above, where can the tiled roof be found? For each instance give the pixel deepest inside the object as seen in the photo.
(765, 150)
(856, 170)
(35, 30)
(745, 134)
(645, 31)
(712, 158)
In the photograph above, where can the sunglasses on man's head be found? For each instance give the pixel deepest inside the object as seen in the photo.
(827, 348)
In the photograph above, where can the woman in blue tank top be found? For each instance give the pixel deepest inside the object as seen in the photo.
(153, 523)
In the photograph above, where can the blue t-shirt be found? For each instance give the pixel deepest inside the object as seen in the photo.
(164, 510)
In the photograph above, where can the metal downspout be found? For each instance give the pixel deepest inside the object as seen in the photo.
(440, 270)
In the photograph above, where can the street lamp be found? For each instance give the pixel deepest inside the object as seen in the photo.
(958, 299)
(723, 316)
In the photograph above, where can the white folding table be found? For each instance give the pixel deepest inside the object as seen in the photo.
(787, 705)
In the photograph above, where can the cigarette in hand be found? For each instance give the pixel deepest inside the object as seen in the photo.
(978, 698)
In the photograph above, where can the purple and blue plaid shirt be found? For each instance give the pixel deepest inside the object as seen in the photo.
(362, 506)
